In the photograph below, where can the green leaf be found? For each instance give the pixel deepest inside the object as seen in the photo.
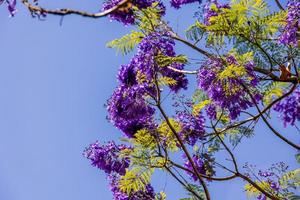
(144, 139)
(274, 90)
(164, 80)
(196, 189)
(290, 179)
(135, 179)
(298, 157)
(195, 32)
(148, 19)
(126, 43)
(236, 134)
(161, 196)
(293, 197)
(164, 61)
(166, 134)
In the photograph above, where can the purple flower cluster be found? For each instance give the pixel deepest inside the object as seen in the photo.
(209, 12)
(106, 157)
(151, 46)
(178, 3)
(199, 164)
(125, 13)
(289, 108)
(192, 127)
(289, 36)
(147, 194)
(128, 109)
(227, 92)
(11, 6)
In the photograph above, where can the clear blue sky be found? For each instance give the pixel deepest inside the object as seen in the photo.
(54, 81)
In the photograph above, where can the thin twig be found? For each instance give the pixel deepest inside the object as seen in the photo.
(65, 11)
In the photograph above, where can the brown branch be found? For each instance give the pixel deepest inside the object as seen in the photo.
(238, 174)
(184, 150)
(65, 11)
(279, 4)
(262, 111)
(182, 183)
(267, 123)
(176, 37)
(292, 79)
(257, 187)
(202, 175)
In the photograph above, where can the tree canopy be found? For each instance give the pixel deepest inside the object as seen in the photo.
(246, 72)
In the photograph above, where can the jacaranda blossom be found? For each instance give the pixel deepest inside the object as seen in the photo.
(199, 164)
(129, 111)
(106, 157)
(178, 3)
(125, 13)
(223, 85)
(289, 108)
(11, 6)
(289, 35)
(192, 127)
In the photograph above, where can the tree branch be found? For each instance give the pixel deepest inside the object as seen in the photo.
(266, 121)
(64, 11)
(279, 4)
(182, 183)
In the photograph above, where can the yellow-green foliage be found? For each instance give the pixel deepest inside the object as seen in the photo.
(149, 18)
(144, 139)
(199, 106)
(135, 179)
(252, 191)
(276, 90)
(246, 18)
(161, 196)
(235, 70)
(242, 58)
(291, 179)
(164, 80)
(141, 78)
(232, 71)
(126, 43)
(166, 134)
(238, 70)
(164, 61)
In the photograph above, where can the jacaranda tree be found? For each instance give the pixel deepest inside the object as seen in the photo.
(247, 72)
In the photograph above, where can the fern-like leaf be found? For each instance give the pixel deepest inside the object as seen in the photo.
(135, 180)
(126, 43)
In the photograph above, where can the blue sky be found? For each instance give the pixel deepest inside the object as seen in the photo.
(54, 81)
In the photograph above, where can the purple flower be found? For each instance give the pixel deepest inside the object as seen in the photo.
(125, 14)
(289, 35)
(127, 75)
(289, 108)
(192, 126)
(11, 6)
(209, 12)
(129, 111)
(199, 164)
(143, 65)
(178, 3)
(106, 157)
(227, 92)
(147, 194)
